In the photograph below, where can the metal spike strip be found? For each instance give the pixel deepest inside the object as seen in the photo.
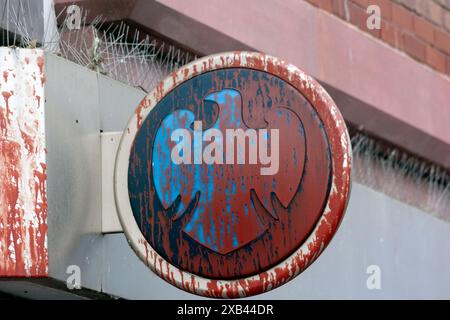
(401, 175)
(114, 49)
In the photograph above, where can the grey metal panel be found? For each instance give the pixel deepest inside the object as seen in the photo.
(410, 246)
(74, 170)
(117, 102)
(126, 275)
(79, 103)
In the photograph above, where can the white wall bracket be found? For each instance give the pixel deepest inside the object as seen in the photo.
(109, 145)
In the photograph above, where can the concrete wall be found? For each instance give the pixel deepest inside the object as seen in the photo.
(410, 246)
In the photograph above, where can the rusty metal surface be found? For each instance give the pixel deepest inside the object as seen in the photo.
(23, 199)
(189, 224)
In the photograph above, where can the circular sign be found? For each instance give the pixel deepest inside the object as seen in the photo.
(233, 175)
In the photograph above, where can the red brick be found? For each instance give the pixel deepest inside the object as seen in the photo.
(339, 8)
(361, 3)
(323, 4)
(436, 13)
(358, 17)
(313, 2)
(424, 29)
(414, 46)
(435, 59)
(442, 40)
(445, 3)
(385, 8)
(327, 5)
(402, 17)
(446, 23)
(374, 32)
(410, 4)
(448, 65)
(430, 10)
(391, 34)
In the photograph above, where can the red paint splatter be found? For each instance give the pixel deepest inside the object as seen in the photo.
(23, 249)
(10, 214)
(28, 141)
(40, 63)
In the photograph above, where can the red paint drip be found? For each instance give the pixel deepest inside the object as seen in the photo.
(40, 63)
(38, 98)
(11, 216)
(28, 141)
(23, 249)
(6, 95)
(41, 211)
(3, 123)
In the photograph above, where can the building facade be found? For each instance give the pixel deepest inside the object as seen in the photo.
(386, 64)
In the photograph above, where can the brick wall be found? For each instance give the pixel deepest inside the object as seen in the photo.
(420, 28)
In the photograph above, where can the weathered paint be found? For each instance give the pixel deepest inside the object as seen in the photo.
(23, 199)
(234, 274)
(234, 218)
